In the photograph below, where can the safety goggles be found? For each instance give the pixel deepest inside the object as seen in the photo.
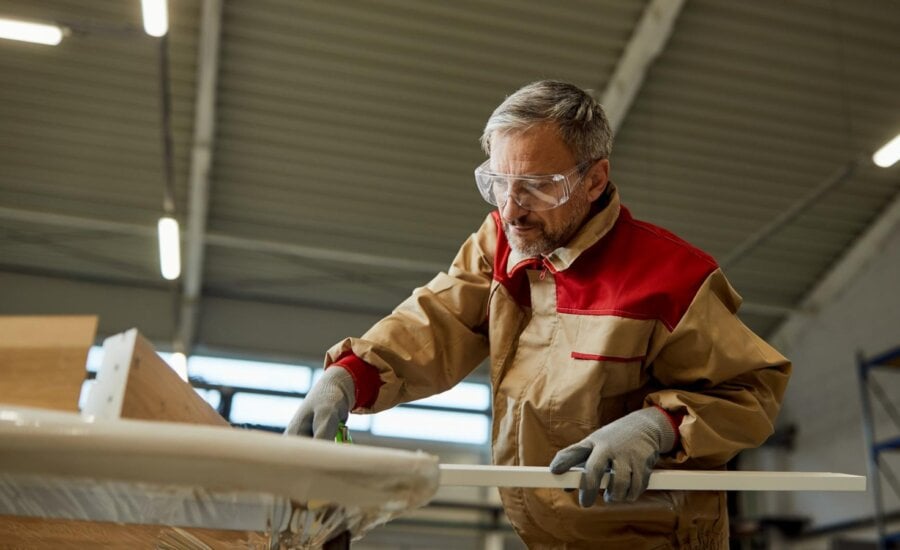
(530, 192)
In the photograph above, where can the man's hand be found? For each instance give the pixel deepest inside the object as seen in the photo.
(630, 446)
(325, 406)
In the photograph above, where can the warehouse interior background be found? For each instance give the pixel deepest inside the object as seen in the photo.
(318, 157)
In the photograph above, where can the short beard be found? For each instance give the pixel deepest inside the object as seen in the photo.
(543, 244)
(548, 241)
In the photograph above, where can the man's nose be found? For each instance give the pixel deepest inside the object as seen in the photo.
(510, 210)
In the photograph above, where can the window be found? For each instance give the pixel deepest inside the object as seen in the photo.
(465, 395)
(250, 374)
(412, 423)
(459, 415)
(263, 410)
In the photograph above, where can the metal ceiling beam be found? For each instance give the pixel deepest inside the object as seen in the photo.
(646, 43)
(841, 175)
(76, 222)
(201, 161)
(225, 241)
(324, 254)
(277, 248)
(842, 275)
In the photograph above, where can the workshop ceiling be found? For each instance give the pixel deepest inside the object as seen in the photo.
(345, 135)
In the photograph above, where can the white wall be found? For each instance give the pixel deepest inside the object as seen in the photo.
(823, 397)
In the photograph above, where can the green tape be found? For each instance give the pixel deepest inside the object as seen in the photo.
(343, 434)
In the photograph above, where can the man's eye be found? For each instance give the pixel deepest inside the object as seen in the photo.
(540, 187)
(499, 184)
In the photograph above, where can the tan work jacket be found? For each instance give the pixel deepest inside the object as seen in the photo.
(625, 316)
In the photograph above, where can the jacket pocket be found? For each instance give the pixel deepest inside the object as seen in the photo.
(615, 374)
(590, 389)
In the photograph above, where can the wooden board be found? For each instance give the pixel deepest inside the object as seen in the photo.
(684, 480)
(43, 358)
(134, 382)
(56, 534)
(42, 364)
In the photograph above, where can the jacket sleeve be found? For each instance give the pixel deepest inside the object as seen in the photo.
(724, 380)
(433, 339)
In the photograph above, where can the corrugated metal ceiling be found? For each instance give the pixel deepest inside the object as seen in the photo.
(353, 127)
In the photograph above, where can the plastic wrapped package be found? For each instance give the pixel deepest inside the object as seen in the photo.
(198, 482)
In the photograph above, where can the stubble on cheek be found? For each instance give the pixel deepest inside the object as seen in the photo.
(534, 244)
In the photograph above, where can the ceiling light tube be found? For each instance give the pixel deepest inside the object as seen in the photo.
(37, 33)
(156, 17)
(888, 155)
(169, 248)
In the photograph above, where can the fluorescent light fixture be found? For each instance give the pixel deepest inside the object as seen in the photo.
(38, 33)
(156, 17)
(169, 248)
(888, 155)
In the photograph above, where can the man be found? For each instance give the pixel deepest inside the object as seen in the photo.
(613, 343)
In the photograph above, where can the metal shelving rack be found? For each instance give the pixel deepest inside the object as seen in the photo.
(879, 470)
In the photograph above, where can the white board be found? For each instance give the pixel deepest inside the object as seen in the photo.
(685, 480)
(62, 465)
(51, 443)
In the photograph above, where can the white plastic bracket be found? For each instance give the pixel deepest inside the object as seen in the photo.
(108, 392)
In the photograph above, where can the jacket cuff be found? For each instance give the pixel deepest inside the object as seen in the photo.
(366, 380)
(675, 420)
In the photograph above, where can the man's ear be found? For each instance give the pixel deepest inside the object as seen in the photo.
(597, 179)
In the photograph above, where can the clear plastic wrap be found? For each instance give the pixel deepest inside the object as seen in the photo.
(294, 492)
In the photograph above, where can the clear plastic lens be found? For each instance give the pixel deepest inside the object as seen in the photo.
(529, 192)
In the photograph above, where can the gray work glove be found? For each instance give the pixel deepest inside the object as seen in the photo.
(630, 446)
(326, 404)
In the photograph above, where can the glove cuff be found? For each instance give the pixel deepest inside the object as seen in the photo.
(336, 376)
(366, 379)
(657, 424)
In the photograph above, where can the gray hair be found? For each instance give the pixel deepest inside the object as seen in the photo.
(581, 120)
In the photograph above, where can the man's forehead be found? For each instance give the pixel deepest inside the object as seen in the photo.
(538, 149)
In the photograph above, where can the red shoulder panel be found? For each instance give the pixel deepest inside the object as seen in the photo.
(638, 270)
